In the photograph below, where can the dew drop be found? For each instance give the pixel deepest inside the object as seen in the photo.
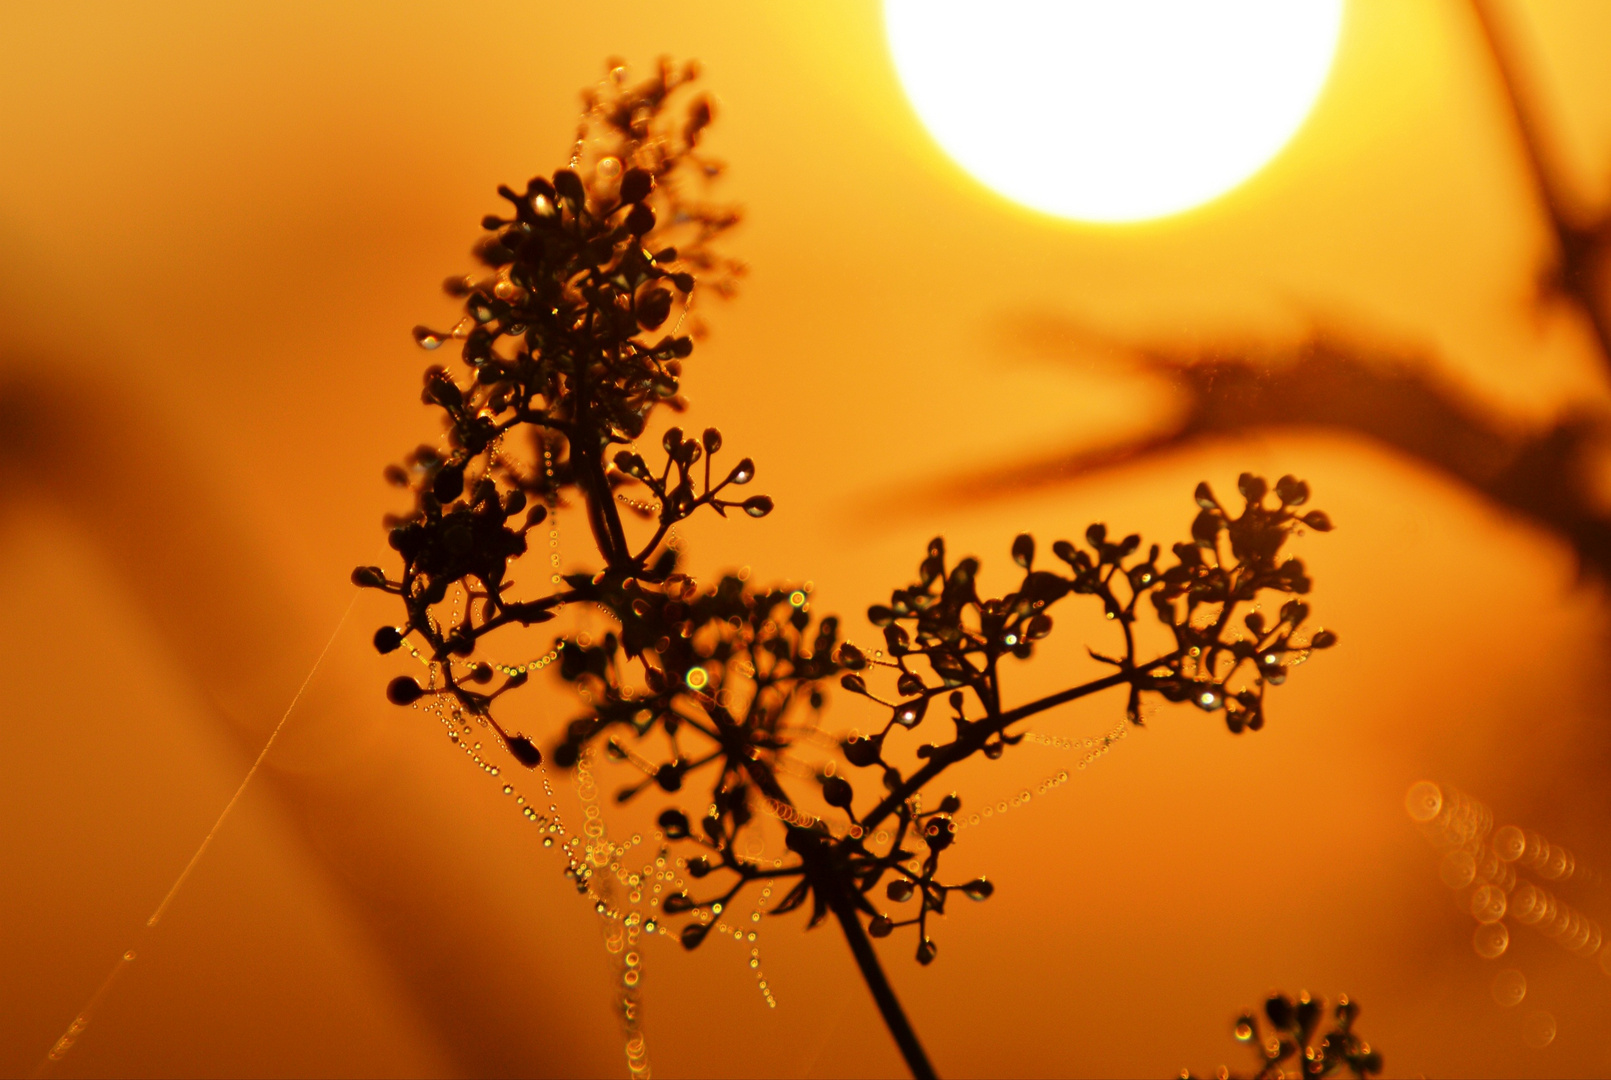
(1488, 904)
(1491, 941)
(1509, 987)
(1423, 801)
(1458, 869)
(1538, 1030)
(1510, 843)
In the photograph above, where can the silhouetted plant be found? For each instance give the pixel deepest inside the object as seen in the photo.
(1294, 1026)
(724, 683)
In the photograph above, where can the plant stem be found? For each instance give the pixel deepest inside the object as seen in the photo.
(601, 512)
(861, 947)
(976, 736)
(873, 972)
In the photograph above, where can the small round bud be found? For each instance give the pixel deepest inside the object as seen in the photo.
(640, 220)
(674, 823)
(525, 751)
(369, 577)
(636, 185)
(403, 691)
(978, 889)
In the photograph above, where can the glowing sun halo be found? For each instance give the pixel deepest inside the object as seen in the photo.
(1112, 110)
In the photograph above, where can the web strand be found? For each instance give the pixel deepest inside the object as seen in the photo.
(81, 1021)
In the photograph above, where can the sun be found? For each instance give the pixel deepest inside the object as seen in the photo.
(1112, 110)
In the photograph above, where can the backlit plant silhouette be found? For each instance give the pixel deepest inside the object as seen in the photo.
(1295, 1045)
(712, 693)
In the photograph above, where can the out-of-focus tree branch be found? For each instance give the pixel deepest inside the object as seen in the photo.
(1542, 475)
(1577, 272)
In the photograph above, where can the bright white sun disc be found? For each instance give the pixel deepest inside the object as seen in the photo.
(1112, 110)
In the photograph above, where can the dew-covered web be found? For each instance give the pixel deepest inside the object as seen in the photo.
(1090, 750)
(622, 877)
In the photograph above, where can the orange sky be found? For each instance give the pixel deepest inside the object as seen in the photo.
(219, 222)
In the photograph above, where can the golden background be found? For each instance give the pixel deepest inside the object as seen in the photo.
(218, 223)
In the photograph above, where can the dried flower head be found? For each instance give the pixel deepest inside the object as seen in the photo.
(711, 695)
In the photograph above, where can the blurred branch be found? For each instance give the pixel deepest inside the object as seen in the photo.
(1542, 475)
(1577, 272)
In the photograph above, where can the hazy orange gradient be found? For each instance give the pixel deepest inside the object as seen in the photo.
(218, 223)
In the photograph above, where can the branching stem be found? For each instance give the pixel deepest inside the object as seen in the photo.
(979, 733)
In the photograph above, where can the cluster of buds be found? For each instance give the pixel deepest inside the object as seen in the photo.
(1294, 1045)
